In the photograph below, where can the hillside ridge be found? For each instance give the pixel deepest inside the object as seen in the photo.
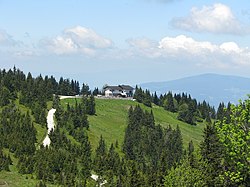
(214, 88)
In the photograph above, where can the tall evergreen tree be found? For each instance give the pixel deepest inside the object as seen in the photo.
(211, 151)
(4, 96)
(100, 157)
(220, 112)
(169, 103)
(91, 105)
(156, 99)
(85, 89)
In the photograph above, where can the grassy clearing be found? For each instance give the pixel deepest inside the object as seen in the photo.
(41, 133)
(110, 121)
(15, 179)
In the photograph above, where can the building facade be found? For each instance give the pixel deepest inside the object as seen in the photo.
(118, 91)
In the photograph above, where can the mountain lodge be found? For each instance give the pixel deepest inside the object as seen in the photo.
(118, 91)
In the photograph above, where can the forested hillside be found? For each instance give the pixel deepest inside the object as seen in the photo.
(188, 109)
(202, 87)
(152, 146)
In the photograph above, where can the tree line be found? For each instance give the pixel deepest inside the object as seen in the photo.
(189, 109)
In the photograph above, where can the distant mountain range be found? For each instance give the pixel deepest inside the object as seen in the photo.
(213, 88)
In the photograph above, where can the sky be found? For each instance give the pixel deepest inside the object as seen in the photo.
(126, 41)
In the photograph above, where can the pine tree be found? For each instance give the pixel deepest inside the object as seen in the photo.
(211, 151)
(134, 176)
(178, 149)
(191, 155)
(100, 158)
(155, 99)
(147, 99)
(228, 113)
(85, 90)
(208, 118)
(4, 96)
(96, 92)
(187, 113)
(220, 112)
(91, 105)
(169, 103)
(4, 162)
(85, 159)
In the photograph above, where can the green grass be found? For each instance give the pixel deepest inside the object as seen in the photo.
(15, 179)
(41, 133)
(110, 121)
(189, 132)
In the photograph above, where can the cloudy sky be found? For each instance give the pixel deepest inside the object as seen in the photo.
(125, 41)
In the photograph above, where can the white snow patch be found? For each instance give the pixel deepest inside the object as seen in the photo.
(95, 177)
(50, 125)
(69, 97)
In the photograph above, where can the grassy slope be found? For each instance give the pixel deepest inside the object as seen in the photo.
(111, 119)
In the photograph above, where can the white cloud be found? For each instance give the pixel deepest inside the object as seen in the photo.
(6, 40)
(185, 44)
(217, 18)
(143, 47)
(77, 40)
(87, 38)
(83, 41)
(25, 53)
(15, 48)
(186, 49)
(62, 45)
(142, 43)
(228, 53)
(230, 47)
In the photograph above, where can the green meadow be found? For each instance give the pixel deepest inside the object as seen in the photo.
(110, 121)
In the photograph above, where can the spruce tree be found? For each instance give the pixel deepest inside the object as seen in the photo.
(91, 105)
(155, 99)
(4, 96)
(220, 112)
(169, 103)
(85, 90)
(100, 158)
(211, 152)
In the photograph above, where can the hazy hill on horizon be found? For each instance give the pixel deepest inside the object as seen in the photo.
(213, 88)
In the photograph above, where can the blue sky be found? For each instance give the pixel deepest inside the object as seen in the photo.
(125, 41)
